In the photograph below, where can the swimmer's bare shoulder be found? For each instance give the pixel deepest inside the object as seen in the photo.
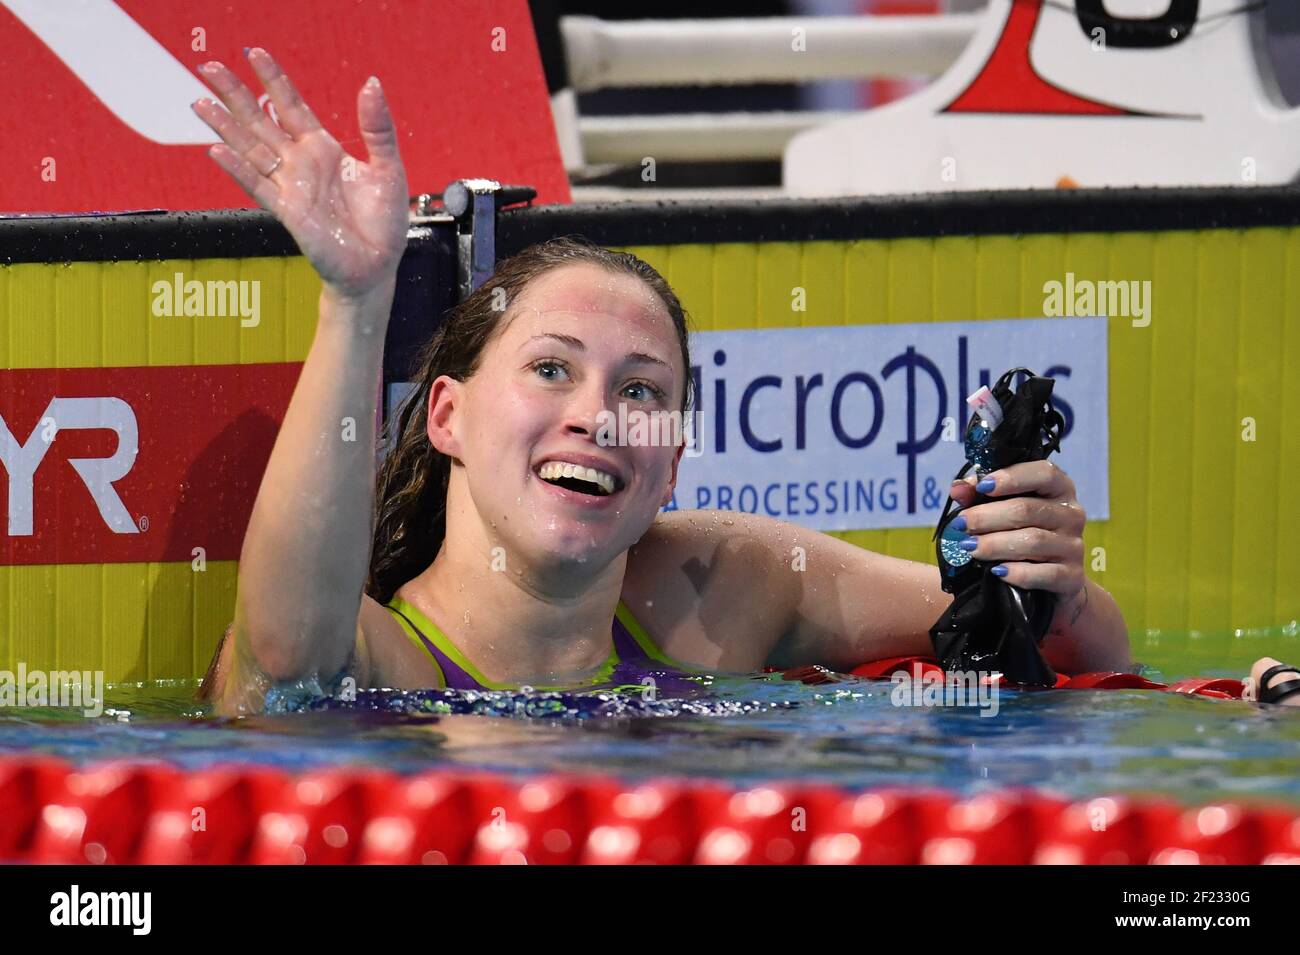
(383, 657)
(740, 591)
(708, 593)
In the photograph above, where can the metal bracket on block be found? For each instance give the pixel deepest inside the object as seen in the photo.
(474, 204)
(428, 281)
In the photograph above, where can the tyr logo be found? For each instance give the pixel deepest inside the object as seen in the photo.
(98, 474)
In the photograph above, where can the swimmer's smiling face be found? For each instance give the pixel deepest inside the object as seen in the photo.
(578, 341)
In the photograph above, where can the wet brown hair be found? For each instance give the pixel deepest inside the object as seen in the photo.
(411, 494)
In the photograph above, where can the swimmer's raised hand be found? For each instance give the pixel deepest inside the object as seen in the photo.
(348, 217)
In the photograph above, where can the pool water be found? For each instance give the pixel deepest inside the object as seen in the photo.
(739, 730)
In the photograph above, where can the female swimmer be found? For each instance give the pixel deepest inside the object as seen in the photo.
(511, 545)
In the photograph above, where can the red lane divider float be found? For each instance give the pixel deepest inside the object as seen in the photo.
(151, 813)
(928, 668)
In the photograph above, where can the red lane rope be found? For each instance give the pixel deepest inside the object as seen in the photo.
(51, 812)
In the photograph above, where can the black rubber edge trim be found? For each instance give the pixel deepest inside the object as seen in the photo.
(950, 214)
(140, 236)
(251, 233)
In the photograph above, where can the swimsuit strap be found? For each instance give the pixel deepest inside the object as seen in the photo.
(626, 647)
(454, 676)
(631, 643)
(641, 646)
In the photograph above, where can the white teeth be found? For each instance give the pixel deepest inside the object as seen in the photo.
(559, 469)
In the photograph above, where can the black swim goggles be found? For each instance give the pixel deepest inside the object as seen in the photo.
(993, 625)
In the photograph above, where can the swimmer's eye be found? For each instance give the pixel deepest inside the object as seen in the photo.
(537, 366)
(655, 390)
(551, 363)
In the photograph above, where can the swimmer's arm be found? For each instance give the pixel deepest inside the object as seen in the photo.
(304, 557)
(1088, 633)
(843, 605)
(851, 605)
(236, 686)
(771, 593)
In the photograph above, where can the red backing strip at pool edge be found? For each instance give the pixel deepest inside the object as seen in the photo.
(152, 813)
(928, 668)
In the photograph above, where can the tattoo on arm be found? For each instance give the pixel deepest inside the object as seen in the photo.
(1081, 606)
(1059, 628)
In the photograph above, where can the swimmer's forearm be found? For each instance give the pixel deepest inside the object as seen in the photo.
(1088, 633)
(304, 558)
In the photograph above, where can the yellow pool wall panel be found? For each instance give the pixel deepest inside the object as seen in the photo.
(1195, 539)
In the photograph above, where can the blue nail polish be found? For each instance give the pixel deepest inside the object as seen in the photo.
(969, 543)
(246, 49)
(958, 523)
(984, 486)
(1000, 570)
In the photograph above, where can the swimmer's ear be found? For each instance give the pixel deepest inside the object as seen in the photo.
(444, 399)
(672, 479)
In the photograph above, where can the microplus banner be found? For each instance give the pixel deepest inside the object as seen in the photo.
(861, 426)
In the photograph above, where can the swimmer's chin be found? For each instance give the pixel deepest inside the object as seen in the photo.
(551, 552)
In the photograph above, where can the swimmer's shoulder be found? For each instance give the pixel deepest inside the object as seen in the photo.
(396, 662)
(707, 587)
(731, 543)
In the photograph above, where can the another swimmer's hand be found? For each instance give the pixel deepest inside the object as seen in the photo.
(1251, 689)
(348, 217)
(1038, 540)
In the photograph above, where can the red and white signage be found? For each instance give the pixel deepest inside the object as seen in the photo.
(121, 465)
(97, 117)
(1091, 93)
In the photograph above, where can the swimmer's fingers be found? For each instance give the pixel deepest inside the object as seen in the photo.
(293, 113)
(378, 131)
(237, 98)
(1065, 580)
(963, 490)
(1029, 543)
(263, 191)
(1041, 478)
(1260, 665)
(236, 136)
(1064, 516)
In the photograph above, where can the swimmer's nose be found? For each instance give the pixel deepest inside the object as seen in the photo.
(586, 412)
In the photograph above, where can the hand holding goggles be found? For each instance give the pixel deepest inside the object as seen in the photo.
(992, 625)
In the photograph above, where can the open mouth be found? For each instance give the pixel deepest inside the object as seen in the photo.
(579, 479)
